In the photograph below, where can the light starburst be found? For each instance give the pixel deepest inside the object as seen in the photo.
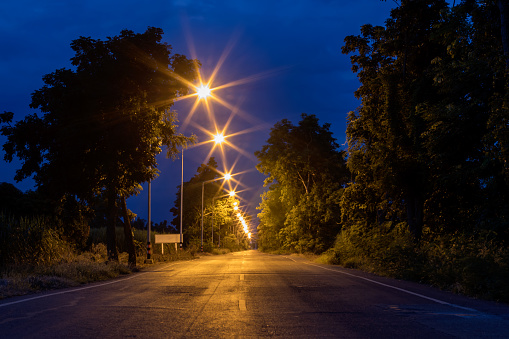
(203, 91)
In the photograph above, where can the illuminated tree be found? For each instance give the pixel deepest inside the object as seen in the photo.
(306, 173)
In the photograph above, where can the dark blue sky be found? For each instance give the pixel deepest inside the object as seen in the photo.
(289, 50)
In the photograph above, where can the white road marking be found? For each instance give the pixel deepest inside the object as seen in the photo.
(242, 305)
(394, 287)
(83, 288)
(242, 277)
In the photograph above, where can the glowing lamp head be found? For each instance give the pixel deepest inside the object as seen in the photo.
(218, 138)
(235, 208)
(232, 194)
(227, 176)
(203, 91)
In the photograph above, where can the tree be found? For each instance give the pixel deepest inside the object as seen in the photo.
(386, 152)
(217, 205)
(104, 122)
(305, 172)
(427, 145)
(223, 216)
(503, 7)
(272, 218)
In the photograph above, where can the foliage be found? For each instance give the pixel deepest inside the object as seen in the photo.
(427, 153)
(272, 217)
(427, 149)
(421, 147)
(70, 271)
(472, 265)
(66, 214)
(99, 236)
(305, 173)
(104, 122)
(216, 205)
(31, 241)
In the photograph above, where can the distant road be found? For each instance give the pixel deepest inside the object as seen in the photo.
(251, 294)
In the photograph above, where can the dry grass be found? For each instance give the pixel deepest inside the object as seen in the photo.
(75, 270)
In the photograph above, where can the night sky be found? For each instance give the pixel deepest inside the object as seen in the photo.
(286, 54)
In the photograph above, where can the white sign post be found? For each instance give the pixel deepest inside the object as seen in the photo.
(167, 239)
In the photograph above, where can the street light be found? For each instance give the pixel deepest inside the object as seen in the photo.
(219, 138)
(203, 92)
(227, 176)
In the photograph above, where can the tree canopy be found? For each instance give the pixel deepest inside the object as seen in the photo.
(422, 147)
(218, 207)
(103, 121)
(305, 174)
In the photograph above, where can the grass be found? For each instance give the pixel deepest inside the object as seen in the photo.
(35, 256)
(90, 266)
(72, 271)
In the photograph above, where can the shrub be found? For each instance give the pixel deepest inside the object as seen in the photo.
(31, 241)
(98, 236)
(476, 265)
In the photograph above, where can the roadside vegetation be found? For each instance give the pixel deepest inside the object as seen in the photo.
(36, 256)
(421, 190)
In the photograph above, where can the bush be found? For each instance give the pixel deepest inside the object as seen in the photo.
(474, 265)
(31, 241)
(98, 236)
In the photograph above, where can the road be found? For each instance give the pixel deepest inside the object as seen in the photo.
(251, 294)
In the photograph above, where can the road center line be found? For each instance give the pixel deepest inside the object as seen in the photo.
(242, 277)
(396, 288)
(242, 305)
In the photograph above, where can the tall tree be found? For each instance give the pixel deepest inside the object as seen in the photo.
(427, 145)
(503, 7)
(272, 219)
(386, 151)
(306, 171)
(103, 122)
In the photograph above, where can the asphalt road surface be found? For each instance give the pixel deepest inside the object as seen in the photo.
(251, 294)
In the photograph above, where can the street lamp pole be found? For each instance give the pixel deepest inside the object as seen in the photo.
(218, 139)
(202, 193)
(181, 197)
(203, 92)
(149, 245)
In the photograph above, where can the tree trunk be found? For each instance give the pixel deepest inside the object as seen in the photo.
(128, 234)
(415, 214)
(503, 7)
(111, 239)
